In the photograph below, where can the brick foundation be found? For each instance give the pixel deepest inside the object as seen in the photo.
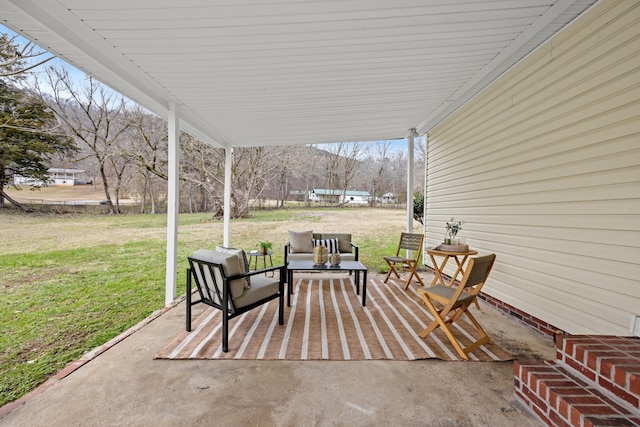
(533, 322)
(595, 381)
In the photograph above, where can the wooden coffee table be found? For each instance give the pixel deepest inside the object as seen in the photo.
(356, 266)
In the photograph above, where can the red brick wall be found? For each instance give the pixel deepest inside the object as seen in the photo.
(613, 363)
(561, 399)
(527, 319)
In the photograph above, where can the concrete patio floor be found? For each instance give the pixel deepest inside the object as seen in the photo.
(125, 386)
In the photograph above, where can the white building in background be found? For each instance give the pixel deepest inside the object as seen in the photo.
(57, 176)
(337, 197)
(389, 198)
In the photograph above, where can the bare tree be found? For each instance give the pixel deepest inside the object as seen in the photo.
(379, 159)
(351, 158)
(147, 149)
(284, 166)
(252, 169)
(198, 168)
(307, 168)
(119, 166)
(15, 60)
(93, 116)
(333, 162)
(295, 171)
(398, 174)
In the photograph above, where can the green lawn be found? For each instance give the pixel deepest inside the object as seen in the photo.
(71, 283)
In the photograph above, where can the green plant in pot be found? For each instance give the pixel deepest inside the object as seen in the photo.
(265, 246)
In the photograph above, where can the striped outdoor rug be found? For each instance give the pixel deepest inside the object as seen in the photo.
(326, 321)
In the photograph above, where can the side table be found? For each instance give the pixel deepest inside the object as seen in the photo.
(439, 269)
(254, 255)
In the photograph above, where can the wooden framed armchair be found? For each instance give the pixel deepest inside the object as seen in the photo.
(223, 281)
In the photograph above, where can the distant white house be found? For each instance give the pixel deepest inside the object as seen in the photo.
(389, 198)
(335, 197)
(57, 176)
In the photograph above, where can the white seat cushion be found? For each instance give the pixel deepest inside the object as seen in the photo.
(261, 287)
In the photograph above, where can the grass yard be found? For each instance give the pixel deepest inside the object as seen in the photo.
(71, 283)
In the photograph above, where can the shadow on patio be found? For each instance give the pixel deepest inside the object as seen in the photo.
(124, 385)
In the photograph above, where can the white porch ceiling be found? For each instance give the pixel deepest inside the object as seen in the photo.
(258, 72)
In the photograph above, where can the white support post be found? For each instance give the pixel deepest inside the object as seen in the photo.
(227, 195)
(410, 175)
(172, 206)
(424, 194)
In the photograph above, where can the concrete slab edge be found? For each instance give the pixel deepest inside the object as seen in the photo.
(87, 357)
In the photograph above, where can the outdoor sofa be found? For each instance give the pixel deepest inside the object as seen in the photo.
(301, 243)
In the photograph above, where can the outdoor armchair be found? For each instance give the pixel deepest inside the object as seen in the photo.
(223, 281)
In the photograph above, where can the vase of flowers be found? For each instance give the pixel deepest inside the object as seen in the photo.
(453, 227)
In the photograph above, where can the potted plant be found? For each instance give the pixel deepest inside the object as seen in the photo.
(265, 246)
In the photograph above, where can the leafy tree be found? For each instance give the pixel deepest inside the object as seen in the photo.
(28, 136)
(28, 139)
(418, 207)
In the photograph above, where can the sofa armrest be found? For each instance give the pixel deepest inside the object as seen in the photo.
(287, 249)
(353, 245)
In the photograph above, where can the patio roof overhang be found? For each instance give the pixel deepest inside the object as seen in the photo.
(257, 73)
(247, 73)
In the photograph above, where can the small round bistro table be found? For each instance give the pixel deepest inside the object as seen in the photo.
(460, 257)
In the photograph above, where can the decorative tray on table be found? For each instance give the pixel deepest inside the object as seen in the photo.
(452, 248)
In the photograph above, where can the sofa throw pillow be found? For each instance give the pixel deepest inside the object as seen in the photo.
(300, 241)
(330, 244)
(243, 266)
(344, 240)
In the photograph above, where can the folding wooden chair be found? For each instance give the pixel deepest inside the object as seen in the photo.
(411, 242)
(456, 303)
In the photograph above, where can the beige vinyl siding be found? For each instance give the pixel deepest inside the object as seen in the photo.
(544, 168)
